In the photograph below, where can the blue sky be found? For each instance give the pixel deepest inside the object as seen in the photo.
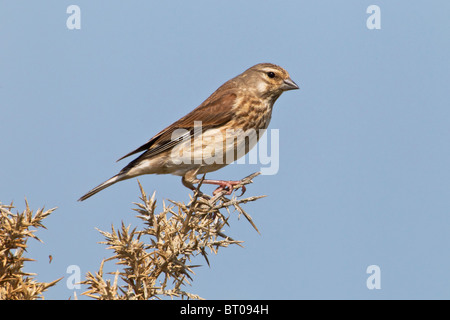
(364, 174)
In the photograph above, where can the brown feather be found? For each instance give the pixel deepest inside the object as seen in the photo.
(244, 102)
(213, 112)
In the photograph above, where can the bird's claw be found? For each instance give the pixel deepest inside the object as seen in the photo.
(228, 186)
(243, 188)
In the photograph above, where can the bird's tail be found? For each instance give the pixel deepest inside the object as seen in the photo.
(102, 186)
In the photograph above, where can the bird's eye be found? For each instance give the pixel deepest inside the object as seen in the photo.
(271, 74)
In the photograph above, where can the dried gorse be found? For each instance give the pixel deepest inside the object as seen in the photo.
(157, 259)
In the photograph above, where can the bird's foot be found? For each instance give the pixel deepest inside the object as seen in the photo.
(228, 186)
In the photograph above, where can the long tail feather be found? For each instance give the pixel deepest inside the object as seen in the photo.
(102, 186)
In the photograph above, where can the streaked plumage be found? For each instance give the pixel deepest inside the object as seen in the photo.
(241, 104)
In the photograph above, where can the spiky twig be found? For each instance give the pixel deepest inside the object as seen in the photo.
(15, 230)
(162, 252)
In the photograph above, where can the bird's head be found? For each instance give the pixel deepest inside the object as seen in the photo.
(268, 79)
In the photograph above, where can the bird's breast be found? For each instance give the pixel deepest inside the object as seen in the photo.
(253, 114)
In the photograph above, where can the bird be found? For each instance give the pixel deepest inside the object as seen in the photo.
(219, 131)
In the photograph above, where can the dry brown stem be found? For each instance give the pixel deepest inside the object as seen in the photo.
(157, 260)
(15, 230)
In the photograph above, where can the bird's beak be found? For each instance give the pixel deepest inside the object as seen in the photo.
(289, 84)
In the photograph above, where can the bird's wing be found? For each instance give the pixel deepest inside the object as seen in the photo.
(213, 112)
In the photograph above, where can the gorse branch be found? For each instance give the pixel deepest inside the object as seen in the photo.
(15, 230)
(157, 260)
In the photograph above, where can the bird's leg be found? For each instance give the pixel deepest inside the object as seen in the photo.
(189, 179)
(188, 183)
(225, 185)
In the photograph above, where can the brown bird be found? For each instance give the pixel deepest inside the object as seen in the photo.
(219, 131)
